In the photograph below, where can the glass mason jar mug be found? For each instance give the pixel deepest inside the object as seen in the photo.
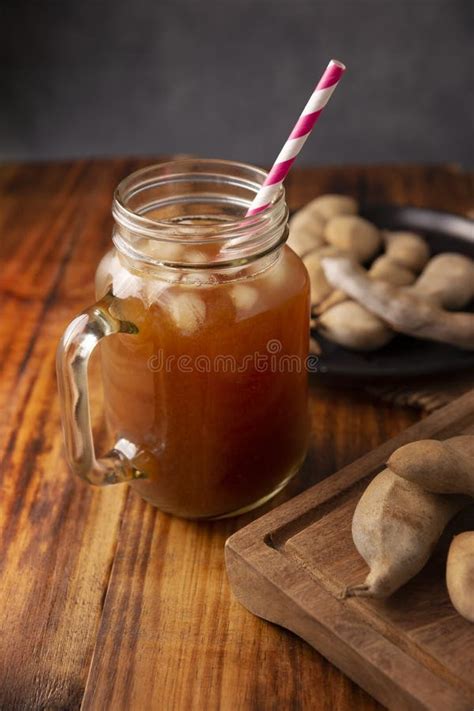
(203, 322)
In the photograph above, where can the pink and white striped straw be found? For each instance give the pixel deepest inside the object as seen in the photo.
(297, 138)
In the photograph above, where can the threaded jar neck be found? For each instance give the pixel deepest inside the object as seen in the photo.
(190, 213)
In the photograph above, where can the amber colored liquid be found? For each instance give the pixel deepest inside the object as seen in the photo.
(214, 439)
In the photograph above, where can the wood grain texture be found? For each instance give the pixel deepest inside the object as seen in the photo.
(105, 601)
(292, 566)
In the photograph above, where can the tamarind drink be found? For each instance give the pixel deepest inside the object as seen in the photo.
(213, 388)
(203, 323)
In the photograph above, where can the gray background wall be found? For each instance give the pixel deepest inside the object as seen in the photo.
(227, 78)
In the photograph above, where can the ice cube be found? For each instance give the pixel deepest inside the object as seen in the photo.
(162, 251)
(125, 284)
(188, 312)
(244, 297)
(154, 289)
(279, 273)
(103, 275)
(195, 256)
(198, 278)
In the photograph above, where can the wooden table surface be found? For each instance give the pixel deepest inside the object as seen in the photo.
(105, 601)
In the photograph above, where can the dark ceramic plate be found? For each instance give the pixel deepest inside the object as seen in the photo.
(405, 356)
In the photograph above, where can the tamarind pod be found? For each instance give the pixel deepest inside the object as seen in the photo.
(395, 528)
(337, 296)
(407, 249)
(445, 467)
(383, 269)
(320, 287)
(307, 225)
(460, 574)
(305, 232)
(353, 234)
(351, 325)
(329, 206)
(401, 308)
(448, 280)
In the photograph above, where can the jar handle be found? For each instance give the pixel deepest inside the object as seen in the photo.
(74, 350)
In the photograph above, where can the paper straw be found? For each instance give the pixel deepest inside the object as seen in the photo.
(297, 138)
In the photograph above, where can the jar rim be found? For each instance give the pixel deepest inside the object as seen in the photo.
(178, 170)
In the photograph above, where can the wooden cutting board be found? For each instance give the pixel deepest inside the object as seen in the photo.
(412, 651)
